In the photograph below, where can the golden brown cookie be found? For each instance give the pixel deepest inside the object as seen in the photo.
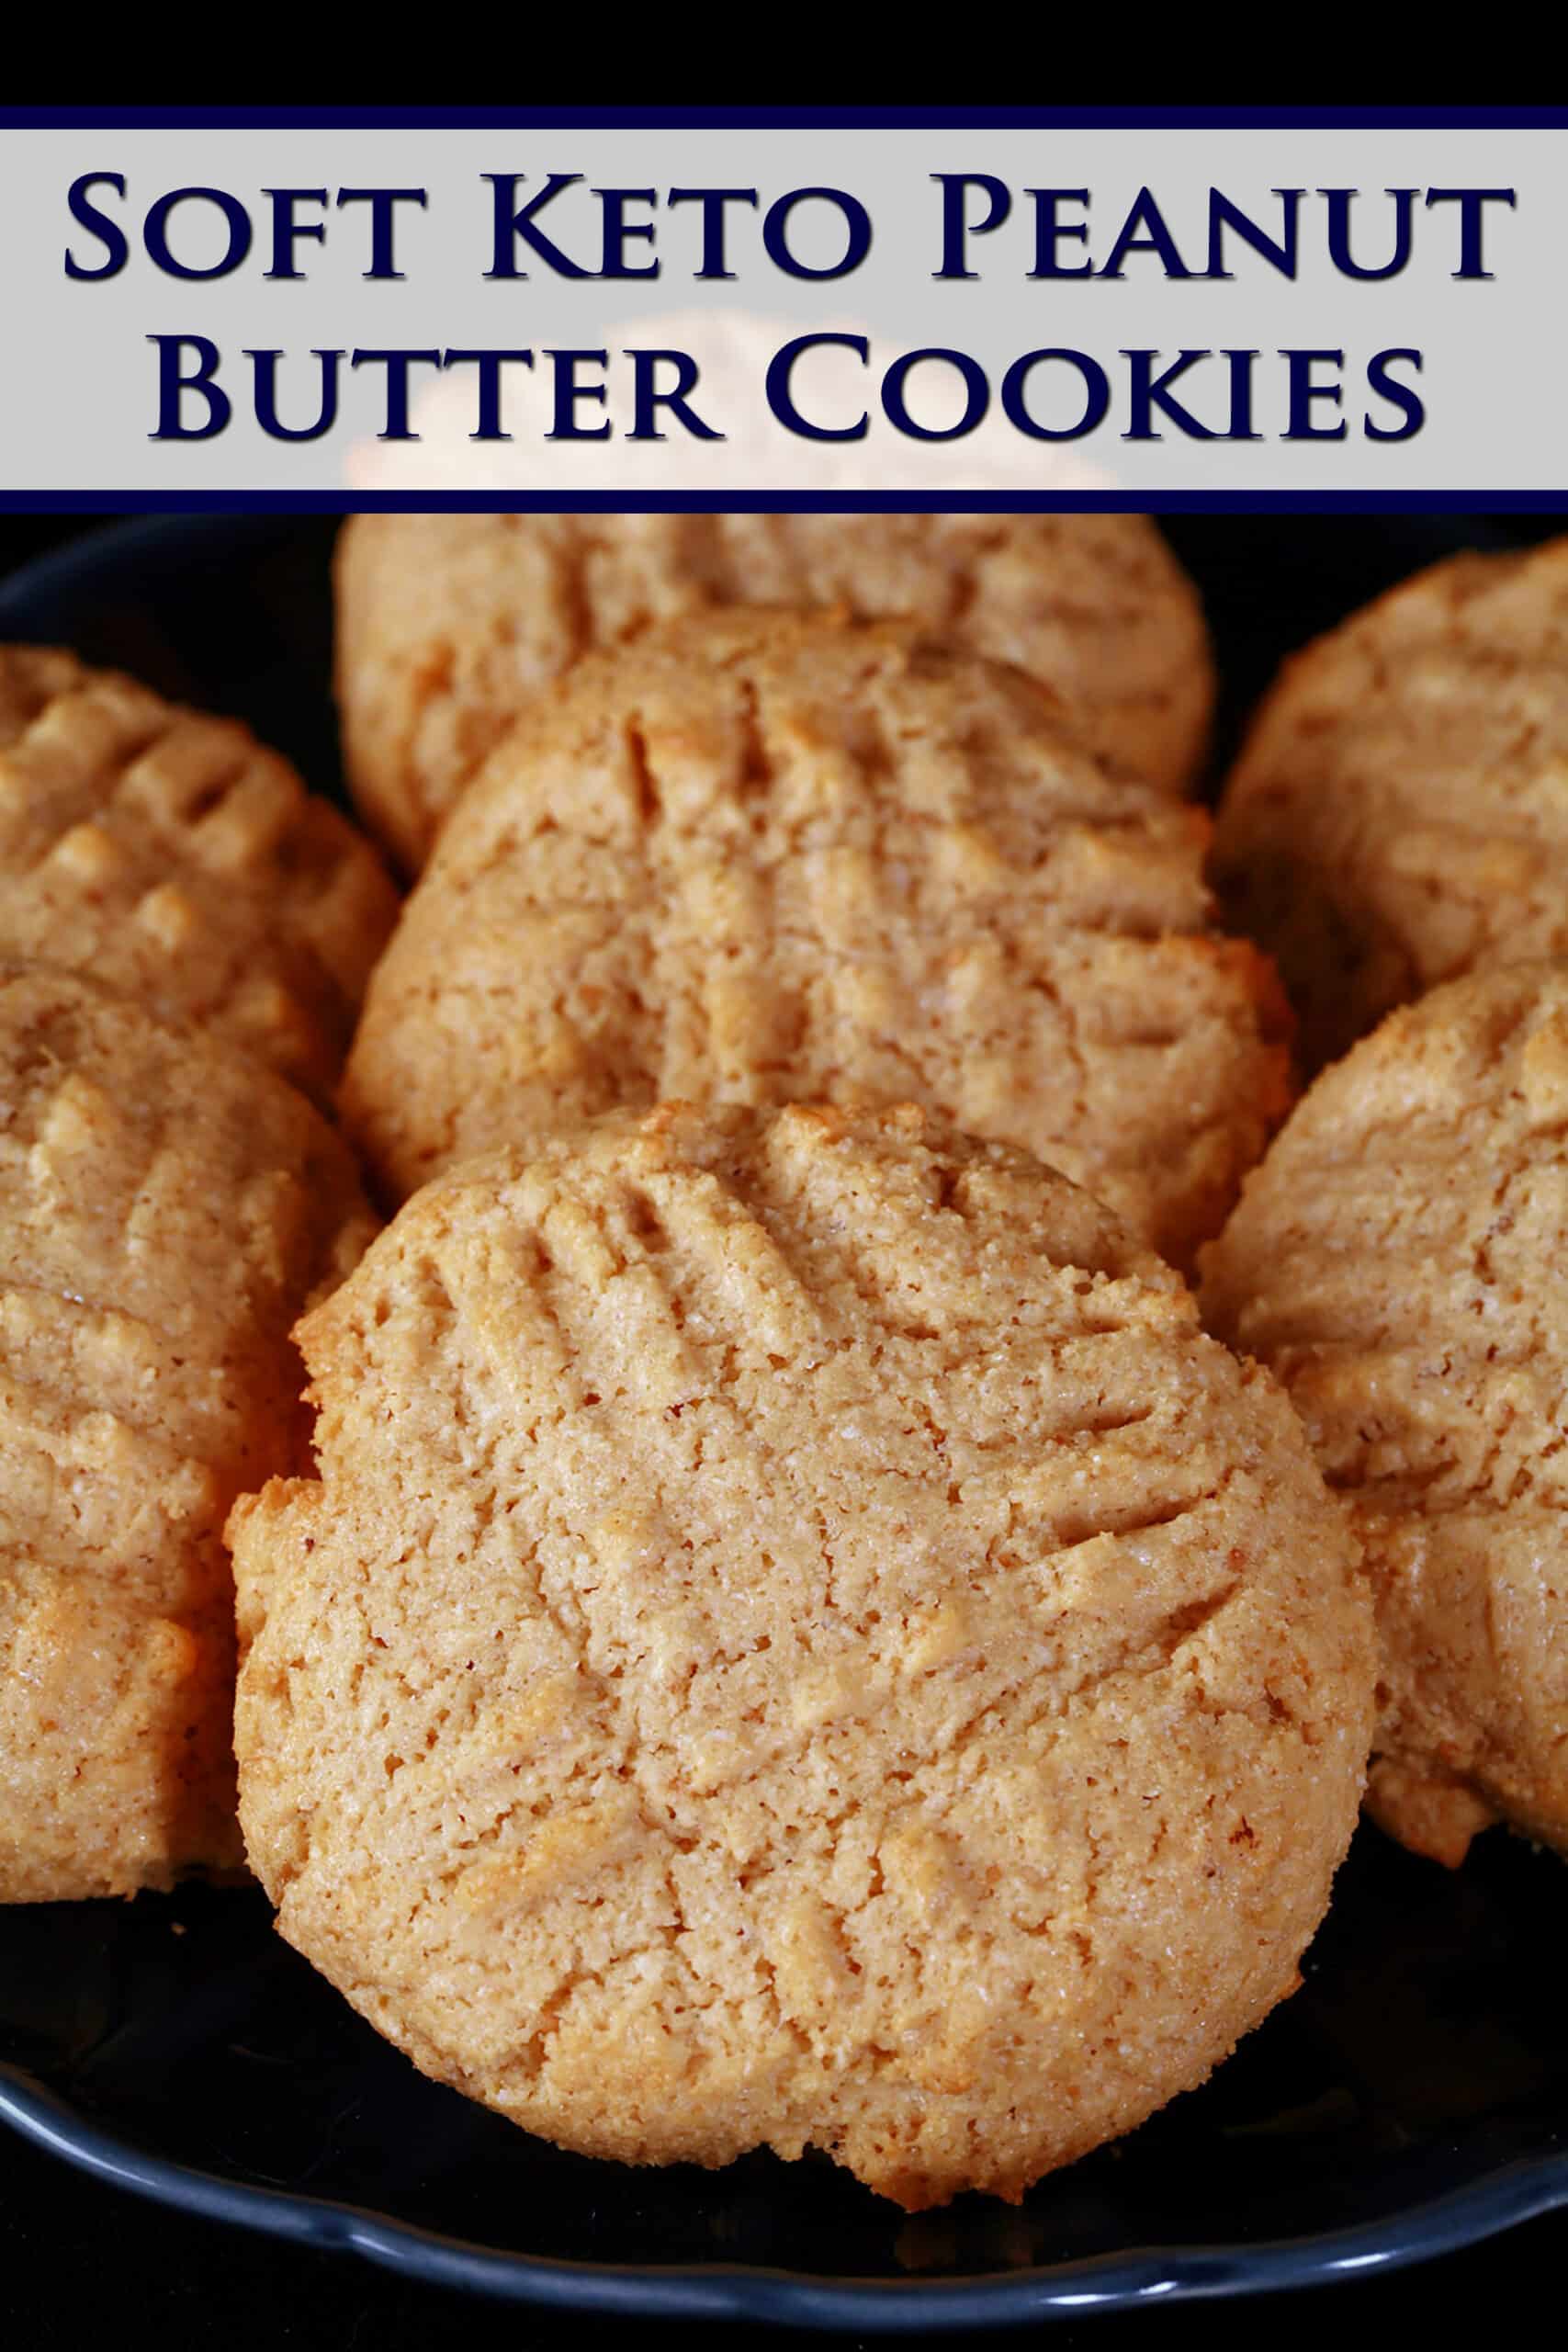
(1399, 814)
(175, 858)
(449, 624)
(798, 1639)
(1396, 1261)
(759, 856)
(166, 1209)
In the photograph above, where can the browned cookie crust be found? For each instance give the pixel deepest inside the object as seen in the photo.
(166, 1209)
(1399, 815)
(449, 624)
(1397, 1261)
(175, 858)
(758, 856)
(797, 1639)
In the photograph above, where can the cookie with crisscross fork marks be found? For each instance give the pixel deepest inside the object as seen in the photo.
(1397, 1261)
(449, 624)
(166, 1210)
(798, 1639)
(758, 858)
(176, 858)
(1399, 812)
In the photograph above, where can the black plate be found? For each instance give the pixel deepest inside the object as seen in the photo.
(1412, 2099)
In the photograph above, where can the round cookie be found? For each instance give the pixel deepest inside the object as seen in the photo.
(173, 856)
(757, 856)
(449, 624)
(1395, 1260)
(166, 1210)
(798, 1639)
(1399, 814)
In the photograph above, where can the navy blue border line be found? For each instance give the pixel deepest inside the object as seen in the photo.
(784, 118)
(567, 500)
(1518, 2192)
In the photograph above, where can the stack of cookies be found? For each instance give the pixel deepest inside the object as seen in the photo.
(184, 936)
(1396, 833)
(794, 1634)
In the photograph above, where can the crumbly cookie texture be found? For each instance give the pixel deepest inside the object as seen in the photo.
(166, 1210)
(174, 856)
(449, 624)
(798, 1639)
(759, 857)
(1399, 814)
(1395, 1260)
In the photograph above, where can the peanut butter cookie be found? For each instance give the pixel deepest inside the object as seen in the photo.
(797, 1639)
(1396, 1261)
(1399, 815)
(449, 624)
(175, 858)
(758, 856)
(166, 1210)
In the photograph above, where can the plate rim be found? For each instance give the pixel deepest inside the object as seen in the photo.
(1524, 2188)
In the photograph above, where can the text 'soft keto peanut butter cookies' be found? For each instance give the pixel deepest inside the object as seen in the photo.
(758, 856)
(175, 858)
(1397, 1261)
(449, 624)
(1399, 814)
(167, 1210)
(798, 1639)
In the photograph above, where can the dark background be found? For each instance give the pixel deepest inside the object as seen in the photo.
(82, 2264)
